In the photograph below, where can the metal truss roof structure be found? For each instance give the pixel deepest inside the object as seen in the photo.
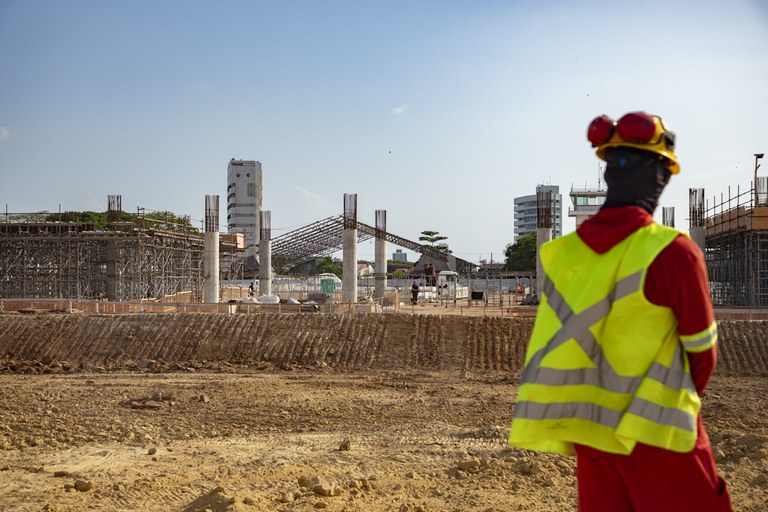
(324, 237)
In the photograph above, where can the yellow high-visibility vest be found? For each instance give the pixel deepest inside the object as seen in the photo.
(605, 367)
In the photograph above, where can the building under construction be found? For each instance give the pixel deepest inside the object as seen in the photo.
(121, 262)
(735, 232)
(42, 256)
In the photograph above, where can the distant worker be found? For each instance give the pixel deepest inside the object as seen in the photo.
(430, 276)
(624, 342)
(414, 293)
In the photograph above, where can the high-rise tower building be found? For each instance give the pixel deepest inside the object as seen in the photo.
(244, 200)
(525, 212)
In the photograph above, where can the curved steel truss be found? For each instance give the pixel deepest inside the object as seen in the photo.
(324, 237)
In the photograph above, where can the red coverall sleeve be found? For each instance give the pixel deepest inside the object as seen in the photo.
(678, 279)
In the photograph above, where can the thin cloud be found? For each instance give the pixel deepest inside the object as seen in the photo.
(315, 202)
(398, 111)
(5, 133)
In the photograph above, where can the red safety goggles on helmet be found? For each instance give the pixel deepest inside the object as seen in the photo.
(636, 129)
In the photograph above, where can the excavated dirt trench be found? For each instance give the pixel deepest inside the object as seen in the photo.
(345, 342)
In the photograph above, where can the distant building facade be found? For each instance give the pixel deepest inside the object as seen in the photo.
(399, 255)
(244, 199)
(525, 212)
(586, 201)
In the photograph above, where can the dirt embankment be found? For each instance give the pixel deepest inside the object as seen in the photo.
(341, 341)
(363, 413)
(345, 342)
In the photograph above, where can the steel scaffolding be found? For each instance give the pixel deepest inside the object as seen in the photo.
(737, 247)
(124, 262)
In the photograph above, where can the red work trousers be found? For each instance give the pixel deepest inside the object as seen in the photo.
(650, 480)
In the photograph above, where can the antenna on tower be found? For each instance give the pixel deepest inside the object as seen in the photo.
(599, 178)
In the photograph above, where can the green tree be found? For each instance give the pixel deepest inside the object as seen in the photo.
(97, 219)
(328, 266)
(521, 255)
(158, 219)
(169, 221)
(432, 237)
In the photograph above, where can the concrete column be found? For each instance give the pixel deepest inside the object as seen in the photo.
(543, 235)
(544, 207)
(211, 251)
(698, 235)
(349, 266)
(265, 267)
(381, 267)
(114, 209)
(380, 250)
(696, 215)
(668, 216)
(211, 268)
(265, 252)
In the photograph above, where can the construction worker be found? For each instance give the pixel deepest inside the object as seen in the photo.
(414, 293)
(624, 342)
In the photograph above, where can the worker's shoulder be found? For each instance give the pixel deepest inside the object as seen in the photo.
(681, 259)
(683, 247)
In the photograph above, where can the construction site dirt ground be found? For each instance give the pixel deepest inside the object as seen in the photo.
(305, 412)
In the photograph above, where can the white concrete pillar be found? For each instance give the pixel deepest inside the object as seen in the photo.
(211, 251)
(381, 267)
(349, 266)
(211, 268)
(698, 235)
(380, 250)
(265, 267)
(349, 263)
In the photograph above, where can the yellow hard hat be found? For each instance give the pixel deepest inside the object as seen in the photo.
(635, 130)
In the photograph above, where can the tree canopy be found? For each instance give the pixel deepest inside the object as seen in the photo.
(521, 255)
(99, 220)
(432, 237)
(328, 266)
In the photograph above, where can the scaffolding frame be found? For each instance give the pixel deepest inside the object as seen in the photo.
(736, 251)
(69, 260)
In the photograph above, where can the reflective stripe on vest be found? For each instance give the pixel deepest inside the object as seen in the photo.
(576, 327)
(700, 341)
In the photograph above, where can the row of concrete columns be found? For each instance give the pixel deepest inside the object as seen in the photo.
(349, 251)
(349, 254)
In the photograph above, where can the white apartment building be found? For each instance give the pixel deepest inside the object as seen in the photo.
(525, 212)
(244, 199)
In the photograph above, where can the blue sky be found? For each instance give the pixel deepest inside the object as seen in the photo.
(440, 112)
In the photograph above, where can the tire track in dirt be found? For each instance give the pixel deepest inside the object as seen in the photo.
(495, 343)
(343, 341)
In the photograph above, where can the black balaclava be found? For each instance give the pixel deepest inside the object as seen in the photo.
(634, 178)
